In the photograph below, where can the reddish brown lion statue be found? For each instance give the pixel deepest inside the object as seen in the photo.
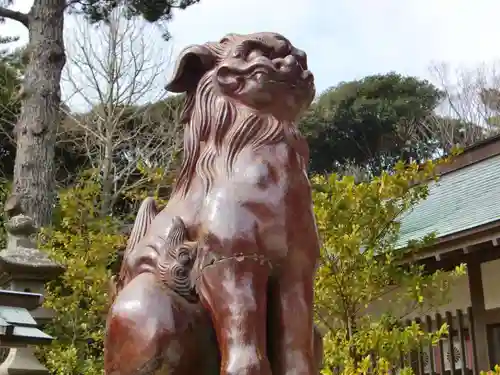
(220, 281)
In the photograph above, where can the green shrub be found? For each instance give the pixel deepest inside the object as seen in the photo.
(359, 266)
(86, 244)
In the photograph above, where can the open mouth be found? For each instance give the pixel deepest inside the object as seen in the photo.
(303, 79)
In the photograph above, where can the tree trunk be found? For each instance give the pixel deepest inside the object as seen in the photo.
(34, 169)
(107, 173)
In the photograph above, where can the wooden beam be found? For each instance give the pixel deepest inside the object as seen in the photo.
(486, 253)
(476, 291)
(470, 239)
(492, 316)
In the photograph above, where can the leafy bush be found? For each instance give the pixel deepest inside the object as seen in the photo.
(359, 266)
(86, 244)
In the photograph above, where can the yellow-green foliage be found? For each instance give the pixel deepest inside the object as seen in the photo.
(153, 181)
(359, 267)
(85, 244)
(495, 371)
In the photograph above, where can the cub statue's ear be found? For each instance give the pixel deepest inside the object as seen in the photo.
(193, 62)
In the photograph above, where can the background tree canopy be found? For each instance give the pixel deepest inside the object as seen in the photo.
(369, 122)
(150, 10)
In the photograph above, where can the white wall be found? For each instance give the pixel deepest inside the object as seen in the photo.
(491, 283)
(459, 298)
(459, 295)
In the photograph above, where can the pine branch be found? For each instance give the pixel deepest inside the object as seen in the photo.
(14, 15)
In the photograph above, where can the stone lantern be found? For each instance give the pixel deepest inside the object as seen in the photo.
(24, 271)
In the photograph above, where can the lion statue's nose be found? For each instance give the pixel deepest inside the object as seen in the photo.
(290, 60)
(288, 64)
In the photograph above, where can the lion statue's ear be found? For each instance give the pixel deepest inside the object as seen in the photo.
(193, 62)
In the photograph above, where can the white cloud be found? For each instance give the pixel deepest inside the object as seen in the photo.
(350, 39)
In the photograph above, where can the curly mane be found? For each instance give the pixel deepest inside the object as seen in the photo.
(213, 120)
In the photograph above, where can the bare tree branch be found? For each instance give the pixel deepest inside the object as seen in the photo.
(465, 115)
(117, 70)
(14, 15)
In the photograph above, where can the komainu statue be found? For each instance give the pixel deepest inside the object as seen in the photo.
(220, 281)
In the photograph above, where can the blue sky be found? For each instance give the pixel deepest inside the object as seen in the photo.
(346, 40)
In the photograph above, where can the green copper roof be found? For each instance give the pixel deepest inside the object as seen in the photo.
(460, 200)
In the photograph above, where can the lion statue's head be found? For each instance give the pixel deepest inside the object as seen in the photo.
(243, 90)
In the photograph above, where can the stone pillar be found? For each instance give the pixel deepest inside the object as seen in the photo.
(25, 268)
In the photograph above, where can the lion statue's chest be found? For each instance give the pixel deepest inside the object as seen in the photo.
(257, 176)
(253, 199)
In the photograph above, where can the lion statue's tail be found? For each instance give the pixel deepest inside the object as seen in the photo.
(145, 216)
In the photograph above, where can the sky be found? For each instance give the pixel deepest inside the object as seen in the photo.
(345, 40)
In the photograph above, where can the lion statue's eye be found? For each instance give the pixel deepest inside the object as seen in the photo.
(254, 54)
